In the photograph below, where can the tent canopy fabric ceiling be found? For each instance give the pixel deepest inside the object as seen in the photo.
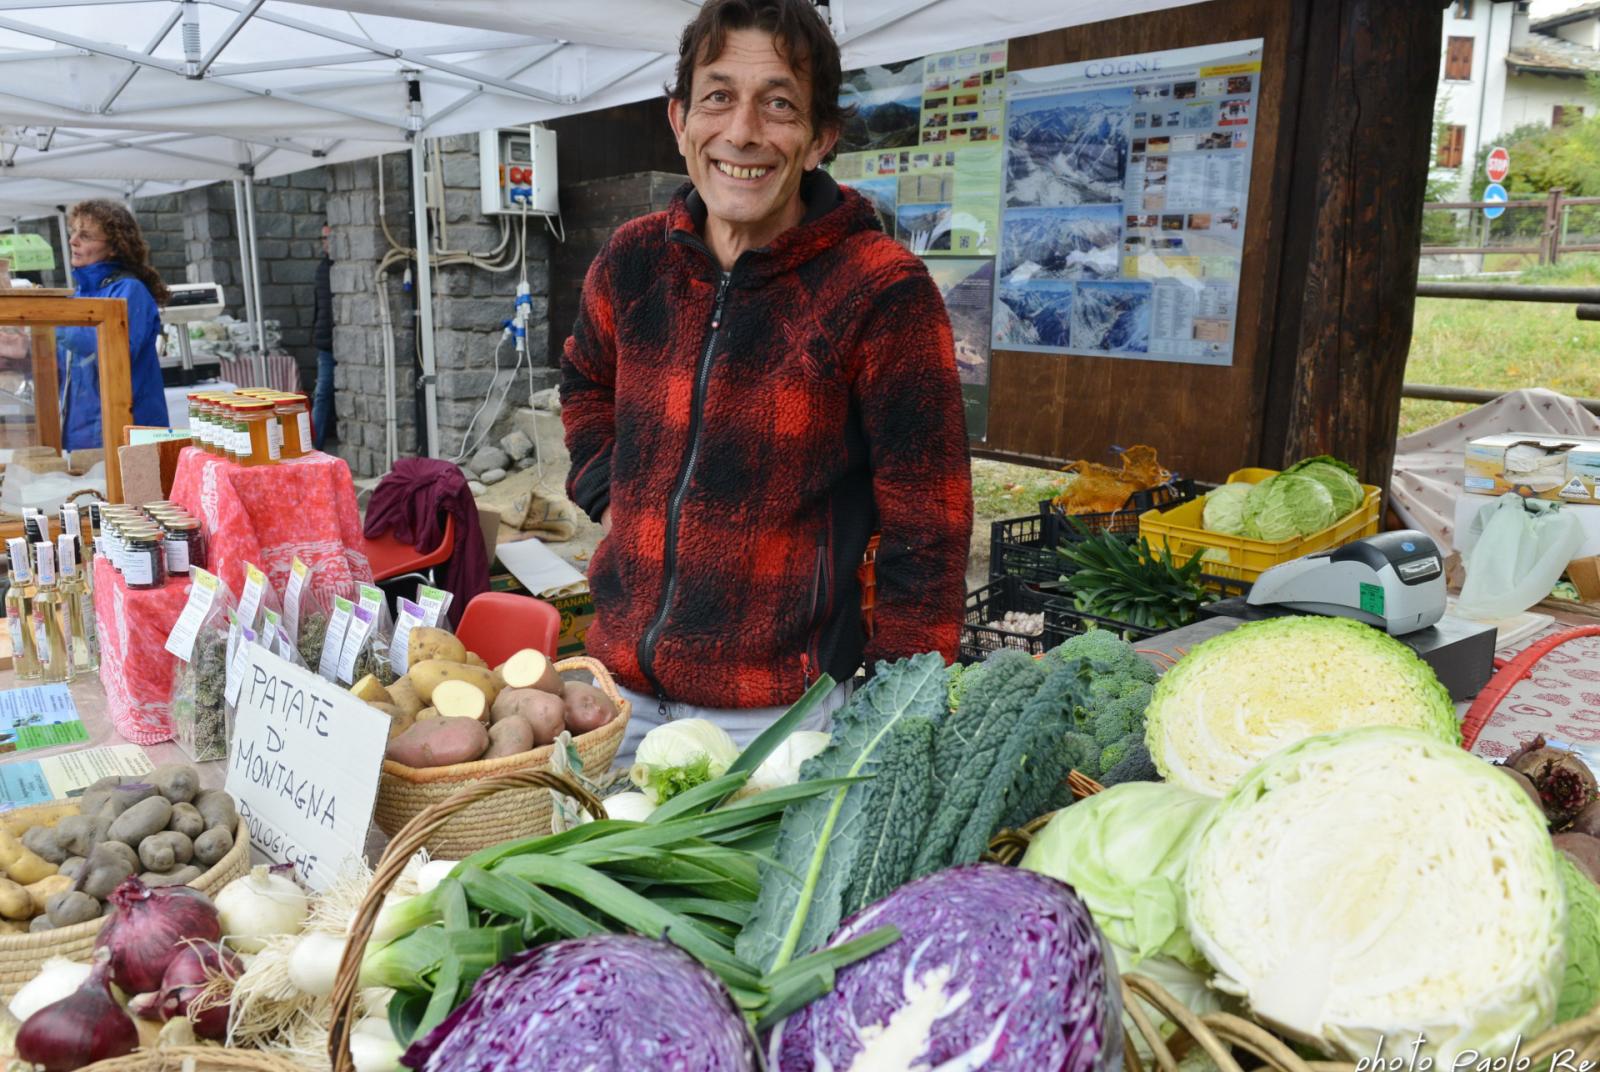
(144, 96)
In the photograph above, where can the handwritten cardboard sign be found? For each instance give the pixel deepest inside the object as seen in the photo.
(303, 765)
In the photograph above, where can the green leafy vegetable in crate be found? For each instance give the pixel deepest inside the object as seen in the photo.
(1130, 583)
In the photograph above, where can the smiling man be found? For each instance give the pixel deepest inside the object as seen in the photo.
(758, 381)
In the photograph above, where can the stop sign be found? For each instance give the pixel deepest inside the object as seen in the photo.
(1498, 164)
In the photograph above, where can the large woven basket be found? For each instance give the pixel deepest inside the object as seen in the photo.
(491, 792)
(196, 1059)
(21, 955)
(404, 792)
(1226, 1037)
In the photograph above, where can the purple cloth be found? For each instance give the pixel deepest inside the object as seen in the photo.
(411, 500)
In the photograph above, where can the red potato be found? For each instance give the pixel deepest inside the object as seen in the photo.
(530, 669)
(508, 737)
(587, 707)
(545, 714)
(439, 742)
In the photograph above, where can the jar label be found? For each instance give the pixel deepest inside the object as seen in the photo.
(14, 624)
(304, 420)
(274, 439)
(91, 631)
(138, 567)
(178, 555)
(41, 637)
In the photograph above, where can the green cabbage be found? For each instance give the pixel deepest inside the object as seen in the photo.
(1238, 697)
(1378, 883)
(1337, 477)
(1580, 986)
(1287, 505)
(1125, 851)
(1224, 509)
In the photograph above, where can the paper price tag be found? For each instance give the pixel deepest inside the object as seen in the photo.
(238, 662)
(411, 616)
(202, 593)
(434, 603)
(298, 572)
(360, 628)
(333, 642)
(371, 598)
(255, 582)
(270, 621)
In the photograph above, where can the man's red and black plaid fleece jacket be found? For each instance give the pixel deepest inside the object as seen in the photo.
(750, 430)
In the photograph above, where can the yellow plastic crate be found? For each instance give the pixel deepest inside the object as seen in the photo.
(1180, 530)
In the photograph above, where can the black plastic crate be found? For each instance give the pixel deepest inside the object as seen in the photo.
(982, 633)
(1025, 547)
(1063, 618)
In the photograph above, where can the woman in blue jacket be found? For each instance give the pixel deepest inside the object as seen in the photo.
(110, 259)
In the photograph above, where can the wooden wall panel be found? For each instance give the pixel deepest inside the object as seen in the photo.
(1204, 420)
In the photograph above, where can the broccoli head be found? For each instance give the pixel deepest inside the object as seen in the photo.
(1135, 766)
(1081, 751)
(1107, 653)
(1117, 751)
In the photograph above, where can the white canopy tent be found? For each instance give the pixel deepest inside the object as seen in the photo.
(132, 97)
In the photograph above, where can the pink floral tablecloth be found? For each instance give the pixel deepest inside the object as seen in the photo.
(270, 514)
(1560, 699)
(135, 668)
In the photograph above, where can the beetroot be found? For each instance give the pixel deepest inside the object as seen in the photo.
(1564, 781)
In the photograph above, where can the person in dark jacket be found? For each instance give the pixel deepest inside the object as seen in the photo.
(322, 339)
(758, 379)
(110, 259)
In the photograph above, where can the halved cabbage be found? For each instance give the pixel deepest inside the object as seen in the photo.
(1380, 883)
(1238, 697)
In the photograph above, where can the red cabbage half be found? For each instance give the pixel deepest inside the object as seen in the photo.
(611, 1003)
(996, 969)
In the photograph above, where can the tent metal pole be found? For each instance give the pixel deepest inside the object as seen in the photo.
(255, 283)
(66, 246)
(419, 206)
(241, 227)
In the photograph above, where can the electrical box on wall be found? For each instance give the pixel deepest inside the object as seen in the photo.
(517, 169)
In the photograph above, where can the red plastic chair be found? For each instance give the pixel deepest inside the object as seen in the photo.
(497, 625)
(390, 558)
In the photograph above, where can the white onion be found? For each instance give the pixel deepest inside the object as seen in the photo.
(314, 963)
(58, 978)
(258, 906)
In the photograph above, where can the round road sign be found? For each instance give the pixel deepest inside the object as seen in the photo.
(1498, 165)
(1494, 192)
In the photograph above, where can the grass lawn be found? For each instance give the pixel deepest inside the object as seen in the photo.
(1504, 344)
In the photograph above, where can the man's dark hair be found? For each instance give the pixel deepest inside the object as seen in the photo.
(802, 38)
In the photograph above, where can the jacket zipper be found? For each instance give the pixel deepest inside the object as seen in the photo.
(647, 644)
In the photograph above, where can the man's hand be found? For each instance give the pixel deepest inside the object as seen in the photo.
(605, 522)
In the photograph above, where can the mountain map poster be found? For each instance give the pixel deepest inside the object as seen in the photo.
(967, 284)
(1122, 204)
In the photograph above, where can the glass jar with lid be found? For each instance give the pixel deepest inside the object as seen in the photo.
(145, 560)
(185, 544)
(259, 444)
(294, 414)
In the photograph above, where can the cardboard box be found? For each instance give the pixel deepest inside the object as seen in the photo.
(1585, 576)
(1557, 468)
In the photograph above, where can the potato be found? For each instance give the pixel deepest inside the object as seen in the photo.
(123, 797)
(16, 926)
(71, 907)
(399, 721)
(428, 643)
(20, 863)
(140, 821)
(427, 712)
(459, 699)
(431, 673)
(404, 696)
(216, 807)
(14, 901)
(43, 841)
(371, 690)
(71, 866)
(587, 707)
(178, 876)
(164, 851)
(79, 834)
(213, 845)
(439, 742)
(41, 815)
(546, 715)
(178, 782)
(41, 892)
(187, 820)
(474, 659)
(508, 737)
(530, 669)
(107, 867)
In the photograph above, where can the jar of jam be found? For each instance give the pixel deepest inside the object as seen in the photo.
(259, 445)
(145, 561)
(185, 544)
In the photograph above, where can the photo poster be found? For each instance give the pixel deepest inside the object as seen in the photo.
(1126, 182)
(925, 148)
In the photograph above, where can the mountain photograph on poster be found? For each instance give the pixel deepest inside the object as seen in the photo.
(1034, 314)
(967, 284)
(923, 228)
(1112, 317)
(1068, 149)
(1072, 243)
(888, 103)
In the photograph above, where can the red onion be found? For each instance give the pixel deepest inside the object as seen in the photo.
(84, 1027)
(196, 964)
(147, 927)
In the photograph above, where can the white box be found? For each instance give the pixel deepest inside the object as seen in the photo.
(517, 171)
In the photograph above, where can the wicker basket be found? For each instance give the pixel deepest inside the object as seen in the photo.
(196, 1059)
(21, 955)
(405, 792)
(496, 790)
(1225, 1036)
